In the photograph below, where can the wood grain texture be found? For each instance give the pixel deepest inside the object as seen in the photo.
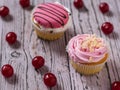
(86, 20)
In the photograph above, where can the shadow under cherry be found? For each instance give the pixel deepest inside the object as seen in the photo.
(8, 18)
(12, 80)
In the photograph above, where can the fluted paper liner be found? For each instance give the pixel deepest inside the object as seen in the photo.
(89, 68)
(48, 36)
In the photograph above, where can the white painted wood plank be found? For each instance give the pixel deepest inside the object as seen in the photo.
(57, 61)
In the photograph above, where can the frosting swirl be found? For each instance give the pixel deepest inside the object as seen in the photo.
(86, 48)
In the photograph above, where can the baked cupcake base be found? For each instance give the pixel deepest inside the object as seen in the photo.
(50, 20)
(91, 68)
(48, 35)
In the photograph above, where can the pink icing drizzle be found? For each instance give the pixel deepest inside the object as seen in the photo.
(51, 15)
(82, 56)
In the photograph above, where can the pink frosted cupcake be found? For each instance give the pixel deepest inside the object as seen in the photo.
(88, 53)
(50, 20)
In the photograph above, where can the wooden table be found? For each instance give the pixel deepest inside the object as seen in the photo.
(86, 20)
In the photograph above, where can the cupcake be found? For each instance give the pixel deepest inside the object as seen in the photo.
(50, 20)
(88, 53)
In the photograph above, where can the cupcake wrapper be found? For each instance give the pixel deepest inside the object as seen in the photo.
(48, 35)
(87, 69)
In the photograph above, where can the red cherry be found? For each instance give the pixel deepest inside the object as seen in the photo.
(104, 7)
(11, 37)
(24, 3)
(107, 27)
(50, 79)
(4, 11)
(78, 4)
(38, 62)
(7, 70)
(115, 85)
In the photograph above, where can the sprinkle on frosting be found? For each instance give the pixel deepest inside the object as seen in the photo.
(91, 43)
(87, 48)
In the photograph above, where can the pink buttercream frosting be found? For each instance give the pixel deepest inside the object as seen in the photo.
(51, 15)
(86, 48)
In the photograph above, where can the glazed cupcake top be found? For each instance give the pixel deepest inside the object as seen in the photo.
(87, 48)
(51, 15)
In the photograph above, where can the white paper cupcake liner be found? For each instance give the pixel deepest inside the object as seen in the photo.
(87, 69)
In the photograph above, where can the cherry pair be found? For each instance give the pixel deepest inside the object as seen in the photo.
(49, 78)
(106, 27)
(4, 10)
(104, 7)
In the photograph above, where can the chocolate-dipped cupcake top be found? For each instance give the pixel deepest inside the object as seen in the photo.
(50, 15)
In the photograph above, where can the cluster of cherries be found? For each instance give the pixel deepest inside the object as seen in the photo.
(38, 61)
(106, 27)
(7, 70)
